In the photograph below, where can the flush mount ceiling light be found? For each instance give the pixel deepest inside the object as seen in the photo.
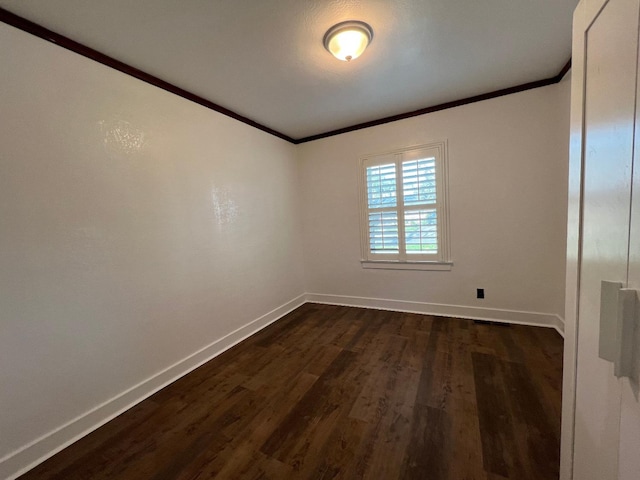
(347, 40)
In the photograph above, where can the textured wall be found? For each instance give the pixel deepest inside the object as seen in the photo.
(135, 229)
(507, 201)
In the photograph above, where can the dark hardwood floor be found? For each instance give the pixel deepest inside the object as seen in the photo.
(337, 392)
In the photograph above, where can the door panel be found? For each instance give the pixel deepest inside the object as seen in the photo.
(629, 432)
(610, 91)
(629, 457)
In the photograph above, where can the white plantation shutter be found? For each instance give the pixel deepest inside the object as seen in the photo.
(420, 190)
(382, 205)
(403, 203)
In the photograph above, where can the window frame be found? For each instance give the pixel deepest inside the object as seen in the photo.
(403, 260)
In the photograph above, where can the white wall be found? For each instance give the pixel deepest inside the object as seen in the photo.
(136, 228)
(507, 184)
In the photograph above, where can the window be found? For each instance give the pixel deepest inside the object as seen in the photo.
(404, 209)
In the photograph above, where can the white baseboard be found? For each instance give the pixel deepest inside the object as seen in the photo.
(475, 313)
(27, 457)
(559, 326)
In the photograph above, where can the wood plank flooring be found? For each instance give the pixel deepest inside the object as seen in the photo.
(338, 392)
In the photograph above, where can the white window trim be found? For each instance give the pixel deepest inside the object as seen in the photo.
(413, 265)
(441, 261)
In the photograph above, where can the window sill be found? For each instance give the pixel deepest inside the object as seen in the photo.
(391, 265)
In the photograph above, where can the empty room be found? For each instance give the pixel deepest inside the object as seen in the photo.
(338, 239)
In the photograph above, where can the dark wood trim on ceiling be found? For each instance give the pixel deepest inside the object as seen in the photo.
(563, 72)
(65, 42)
(443, 106)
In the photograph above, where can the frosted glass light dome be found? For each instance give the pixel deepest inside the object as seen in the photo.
(347, 40)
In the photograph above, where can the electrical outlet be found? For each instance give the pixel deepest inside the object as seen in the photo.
(480, 293)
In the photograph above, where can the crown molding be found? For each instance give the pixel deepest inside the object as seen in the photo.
(443, 106)
(65, 42)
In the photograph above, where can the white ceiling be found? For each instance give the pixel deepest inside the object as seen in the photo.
(264, 59)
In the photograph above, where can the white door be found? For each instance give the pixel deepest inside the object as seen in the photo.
(611, 41)
(629, 454)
